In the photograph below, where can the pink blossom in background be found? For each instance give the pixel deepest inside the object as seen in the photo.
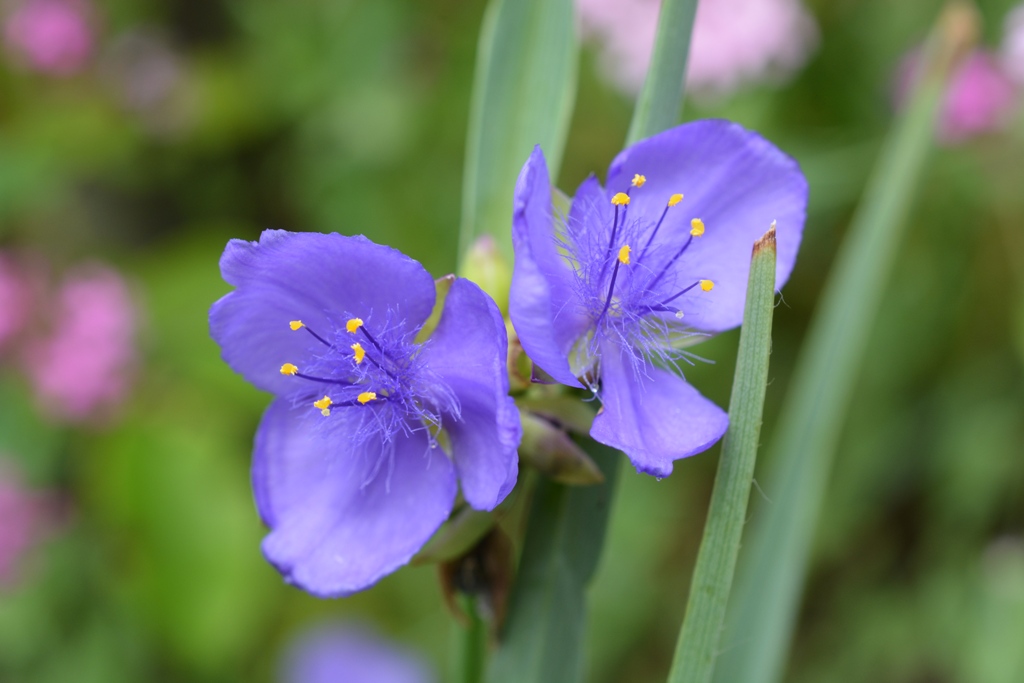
(23, 519)
(50, 36)
(979, 99)
(15, 300)
(85, 364)
(735, 42)
(1013, 44)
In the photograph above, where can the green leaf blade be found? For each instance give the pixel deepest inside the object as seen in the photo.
(769, 582)
(523, 95)
(697, 648)
(661, 99)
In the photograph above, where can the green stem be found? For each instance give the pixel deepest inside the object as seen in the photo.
(697, 648)
(472, 644)
(661, 99)
(771, 575)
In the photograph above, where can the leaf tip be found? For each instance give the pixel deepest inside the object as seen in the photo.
(766, 242)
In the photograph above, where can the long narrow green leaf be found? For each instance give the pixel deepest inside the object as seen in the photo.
(771, 573)
(543, 636)
(697, 648)
(523, 95)
(661, 99)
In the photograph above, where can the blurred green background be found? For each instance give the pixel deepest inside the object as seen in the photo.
(350, 116)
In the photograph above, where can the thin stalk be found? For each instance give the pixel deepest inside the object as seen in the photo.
(661, 99)
(472, 644)
(697, 647)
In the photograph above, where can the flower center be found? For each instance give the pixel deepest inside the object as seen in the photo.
(379, 375)
(627, 278)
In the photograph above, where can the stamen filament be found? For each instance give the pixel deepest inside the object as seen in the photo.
(705, 285)
(654, 232)
(318, 337)
(322, 379)
(668, 265)
(370, 337)
(611, 290)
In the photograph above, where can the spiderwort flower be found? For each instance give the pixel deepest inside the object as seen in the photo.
(606, 296)
(350, 467)
(345, 652)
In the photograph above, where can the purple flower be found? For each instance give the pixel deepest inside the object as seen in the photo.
(52, 36)
(356, 459)
(343, 653)
(979, 98)
(607, 296)
(734, 41)
(84, 365)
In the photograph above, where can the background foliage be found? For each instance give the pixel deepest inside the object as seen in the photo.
(348, 116)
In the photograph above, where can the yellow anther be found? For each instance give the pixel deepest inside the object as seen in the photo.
(289, 369)
(620, 199)
(639, 180)
(696, 227)
(354, 324)
(675, 199)
(324, 405)
(359, 352)
(707, 285)
(366, 397)
(296, 325)
(624, 255)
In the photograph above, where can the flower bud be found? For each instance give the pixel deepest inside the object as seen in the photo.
(487, 266)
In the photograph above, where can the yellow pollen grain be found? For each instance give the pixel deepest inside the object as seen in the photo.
(707, 285)
(620, 199)
(696, 227)
(324, 405)
(366, 397)
(624, 255)
(359, 353)
(353, 325)
(675, 199)
(289, 369)
(296, 325)
(639, 180)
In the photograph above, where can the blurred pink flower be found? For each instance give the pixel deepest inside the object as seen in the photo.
(1013, 44)
(15, 300)
(84, 365)
(734, 41)
(24, 518)
(51, 36)
(979, 98)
